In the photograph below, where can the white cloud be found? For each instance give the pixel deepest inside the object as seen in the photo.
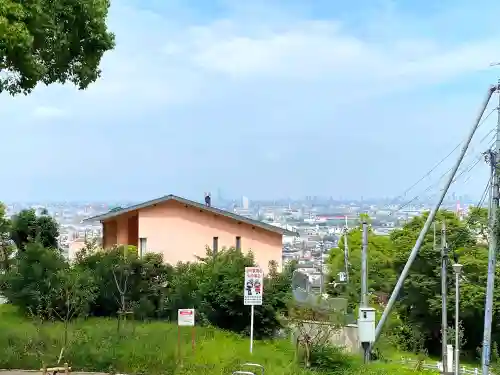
(160, 61)
(48, 112)
(320, 50)
(172, 65)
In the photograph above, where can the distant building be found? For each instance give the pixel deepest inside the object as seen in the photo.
(245, 203)
(181, 229)
(74, 247)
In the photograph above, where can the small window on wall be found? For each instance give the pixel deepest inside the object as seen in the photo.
(143, 244)
(238, 243)
(215, 246)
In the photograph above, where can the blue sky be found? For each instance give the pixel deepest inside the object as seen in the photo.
(261, 98)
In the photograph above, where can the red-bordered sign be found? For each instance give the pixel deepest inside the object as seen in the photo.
(185, 317)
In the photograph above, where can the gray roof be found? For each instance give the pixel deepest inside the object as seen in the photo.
(230, 215)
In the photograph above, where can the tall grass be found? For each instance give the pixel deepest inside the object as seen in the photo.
(95, 345)
(152, 348)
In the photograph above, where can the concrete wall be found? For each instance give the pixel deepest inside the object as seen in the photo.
(346, 337)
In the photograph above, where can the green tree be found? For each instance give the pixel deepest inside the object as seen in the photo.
(33, 283)
(75, 291)
(420, 299)
(220, 294)
(27, 227)
(381, 275)
(104, 266)
(183, 290)
(48, 41)
(278, 286)
(6, 248)
(148, 280)
(478, 222)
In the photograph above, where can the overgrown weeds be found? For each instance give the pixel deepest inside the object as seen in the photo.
(151, 348)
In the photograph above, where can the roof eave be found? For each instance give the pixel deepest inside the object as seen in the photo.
(111, 215)
(106, 216)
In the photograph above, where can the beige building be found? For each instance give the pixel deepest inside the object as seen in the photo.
(180, 229)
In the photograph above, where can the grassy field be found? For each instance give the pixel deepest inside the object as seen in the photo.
(151, 348)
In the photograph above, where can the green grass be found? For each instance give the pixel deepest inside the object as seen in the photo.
(150, 348)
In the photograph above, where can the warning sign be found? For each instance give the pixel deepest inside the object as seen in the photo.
(185, 317)
(254, 286)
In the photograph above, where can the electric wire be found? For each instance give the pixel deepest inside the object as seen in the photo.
(466, 169)
(469, 218)
(430, 187)
(443, 159)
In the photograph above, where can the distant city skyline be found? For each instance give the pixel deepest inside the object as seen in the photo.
(240, 200)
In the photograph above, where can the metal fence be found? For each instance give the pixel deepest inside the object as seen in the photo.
(438, 366)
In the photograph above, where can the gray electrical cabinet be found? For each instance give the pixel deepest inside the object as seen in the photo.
(366, 324)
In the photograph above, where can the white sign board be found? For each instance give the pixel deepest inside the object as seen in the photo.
(254, 286)
(342, 276)
(185, 317)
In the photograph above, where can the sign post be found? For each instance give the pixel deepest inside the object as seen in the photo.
(185, 318)
(252, 294)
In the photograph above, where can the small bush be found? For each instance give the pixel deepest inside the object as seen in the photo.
(333, 359)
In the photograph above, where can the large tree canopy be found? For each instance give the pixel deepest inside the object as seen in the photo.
(381, 273)
(51, 41)
(28, 227)
(418, 306)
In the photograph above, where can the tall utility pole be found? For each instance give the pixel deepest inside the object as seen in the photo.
(457, 267)
(364, 266)
(490, 283)
(346, 252)
(432, 215)
(322, 281)
(444, 297)
(364, 282)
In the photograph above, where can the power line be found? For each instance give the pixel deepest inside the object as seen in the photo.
(487, 134)
(432, 214)
(469, 218)
(478, 159)
(445, 158)
(460, 173)
(467, 169)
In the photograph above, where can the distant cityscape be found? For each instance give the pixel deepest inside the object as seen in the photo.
(318, 222)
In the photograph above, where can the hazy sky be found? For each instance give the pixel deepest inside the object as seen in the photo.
(261, 98)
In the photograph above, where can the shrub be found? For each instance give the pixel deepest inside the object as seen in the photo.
(124, 284)
(33, 283)
(332, 359)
